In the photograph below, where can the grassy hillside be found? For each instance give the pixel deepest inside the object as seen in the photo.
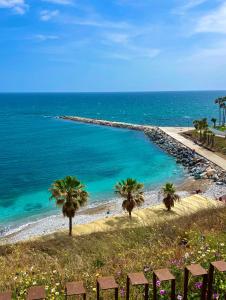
(54, 259)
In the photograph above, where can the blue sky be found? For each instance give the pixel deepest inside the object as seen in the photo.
(112, 45)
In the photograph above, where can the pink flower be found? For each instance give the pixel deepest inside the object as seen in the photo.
(215, 296)
(198, 285)
(158, 283)
(122, 292)
(162, 292)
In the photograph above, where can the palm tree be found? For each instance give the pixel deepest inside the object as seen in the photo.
(221, 101)
(202, 127)
(69, 193)
(170, 196)
(216, 101)
(132, 193)
(197, 125)
(214, 120)
(223, 107)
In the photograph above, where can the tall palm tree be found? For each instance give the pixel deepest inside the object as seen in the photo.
(201, 126)
(197, 125)
(170, 196)
(223, 107)
(221, 101)
(69, 193)
(132, 193)
(214, 120)
(204, 128)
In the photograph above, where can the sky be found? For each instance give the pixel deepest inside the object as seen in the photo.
(112, 45)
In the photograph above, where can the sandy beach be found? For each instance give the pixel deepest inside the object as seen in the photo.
(111, 208)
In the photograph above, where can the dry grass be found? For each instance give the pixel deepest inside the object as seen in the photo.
(57, 258)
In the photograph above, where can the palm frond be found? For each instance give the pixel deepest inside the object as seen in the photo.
(132, 193)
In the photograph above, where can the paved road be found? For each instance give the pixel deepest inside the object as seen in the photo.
(218, 132)
(175, 132)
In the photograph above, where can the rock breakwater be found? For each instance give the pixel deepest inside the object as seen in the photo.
(106, 123)
(197, 166)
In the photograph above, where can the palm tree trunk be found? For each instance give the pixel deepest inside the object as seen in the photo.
(219, 115)
(70, 226)
(223, 116)
(130, 214)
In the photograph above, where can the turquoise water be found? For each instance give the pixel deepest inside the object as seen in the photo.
(36, 148)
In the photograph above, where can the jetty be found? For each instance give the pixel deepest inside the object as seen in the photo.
(107, 123)
(171, 140)
(176, 133)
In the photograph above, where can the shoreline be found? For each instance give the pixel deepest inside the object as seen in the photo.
(173, 133)
(204, 175)
(199, 162)
(56, 223)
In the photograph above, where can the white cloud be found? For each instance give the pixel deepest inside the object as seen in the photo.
(209, 60)
(214, 21)
(44, 37)
(17, 6)
(216, 51)
(134, 3)
(132, 52)
(117, 38)
(60, 2)
(96, 22)
(46, 15)
(190, 4)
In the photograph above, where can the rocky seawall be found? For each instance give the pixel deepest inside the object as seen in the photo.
(197, 166)
(106, 123)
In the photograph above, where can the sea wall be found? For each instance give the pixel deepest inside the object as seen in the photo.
(106, 123)
(197, 166)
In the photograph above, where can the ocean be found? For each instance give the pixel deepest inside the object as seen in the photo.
(36, 148)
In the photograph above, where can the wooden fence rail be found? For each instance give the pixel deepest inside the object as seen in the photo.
(137, 279)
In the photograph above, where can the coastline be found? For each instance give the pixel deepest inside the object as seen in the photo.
(162, 135)
(111, 208)
(205, 175)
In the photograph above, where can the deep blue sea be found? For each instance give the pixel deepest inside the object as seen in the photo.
(36, 148)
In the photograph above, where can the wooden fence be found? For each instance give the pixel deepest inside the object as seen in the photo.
(138, 279)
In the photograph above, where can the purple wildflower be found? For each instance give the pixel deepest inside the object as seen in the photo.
(215, 296)
(179, 297)
(162, 292)
(122, 292)
(158, 283)
(173, 261)
(198, 285)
